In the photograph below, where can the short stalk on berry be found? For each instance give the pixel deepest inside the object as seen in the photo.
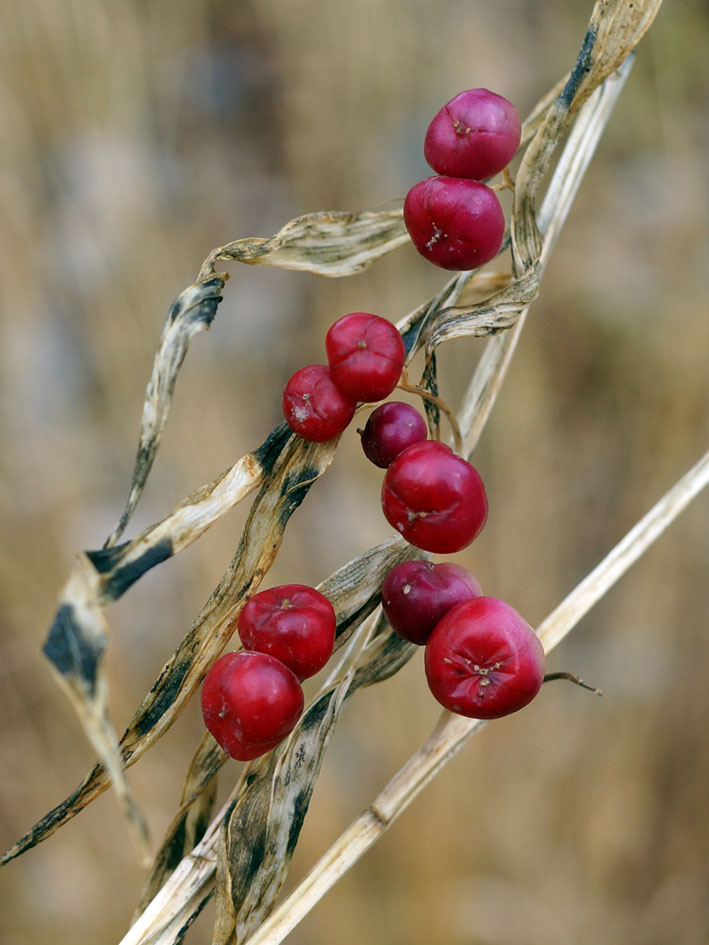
(406, 385)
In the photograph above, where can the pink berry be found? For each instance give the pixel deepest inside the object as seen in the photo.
(483, 660)
(454, 223)
(366, 354)
(389, 430)
(250, 703)
(417, 594)
(434, 498)
(475, 135)
(314, 407)
(294, 623)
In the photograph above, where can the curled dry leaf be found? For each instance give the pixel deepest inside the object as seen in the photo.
(76, 648)
(193, 310)
(489, 317)
(331, 243)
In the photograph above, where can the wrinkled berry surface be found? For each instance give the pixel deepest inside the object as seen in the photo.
(314, 406)
(474, 135)
(454, 223)
(365, 354)
(390, 429)
(483, 660)
(293, 622)
(416, 595)
(435, 499)
(250, 703)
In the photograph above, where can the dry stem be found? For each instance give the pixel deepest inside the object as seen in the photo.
(453, 731)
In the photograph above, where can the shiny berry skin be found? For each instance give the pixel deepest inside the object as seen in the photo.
(483, 660)
(250, 703)
(454, 223)
(314, 407)
(366, 354)
(416, 595)
(435, 499)
(474, 135)
(292, 622)
(390, 429)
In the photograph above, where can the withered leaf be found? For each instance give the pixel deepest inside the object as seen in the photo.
(331, 243)
(193, 310)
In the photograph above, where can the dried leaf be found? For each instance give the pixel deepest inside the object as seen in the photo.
(76, 648)
(262, 827)
(490, 317)
(330, 243)
(291, 473)
(192, 818)
(193, 310)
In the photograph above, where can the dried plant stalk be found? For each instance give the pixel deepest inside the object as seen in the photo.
(256, 833)
(443, 311)
(453, 731)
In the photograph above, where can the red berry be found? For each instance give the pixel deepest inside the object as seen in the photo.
(366, 354)
(250, 702)
(475, 135)
(417, 594)
(434, 498)
(389, 430)
(314, 407)
(483, 660)
(454, 223)
(294, 623)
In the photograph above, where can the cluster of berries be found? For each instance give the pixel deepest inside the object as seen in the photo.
(252, 699)
(482, 659)
(365, 355)
(455, 221)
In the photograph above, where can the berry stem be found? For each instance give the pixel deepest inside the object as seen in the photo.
(572, 677)
(405, 384)
(506, 183)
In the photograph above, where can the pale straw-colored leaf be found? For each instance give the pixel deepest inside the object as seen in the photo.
(330, 243)
(76, 649)
(192, 311)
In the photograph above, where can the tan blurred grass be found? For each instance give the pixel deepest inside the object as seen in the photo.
(138, 137)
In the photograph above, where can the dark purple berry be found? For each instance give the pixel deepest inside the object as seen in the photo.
(389, 430)
(416, 595)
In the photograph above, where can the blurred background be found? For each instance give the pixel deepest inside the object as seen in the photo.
(139, 135)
